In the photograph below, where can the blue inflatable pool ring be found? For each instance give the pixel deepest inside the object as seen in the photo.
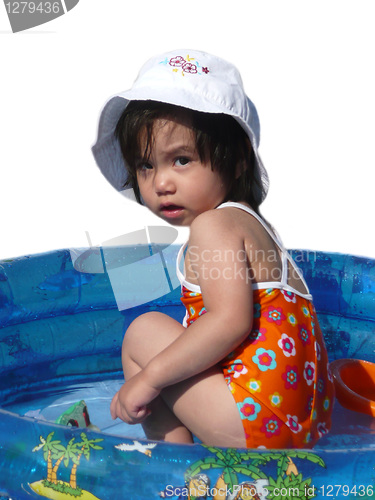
(62, 321)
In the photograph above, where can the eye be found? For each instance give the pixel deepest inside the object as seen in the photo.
(182, 161)
(144, 167)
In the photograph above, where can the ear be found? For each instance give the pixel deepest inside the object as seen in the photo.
(240, 168)
(242, 165)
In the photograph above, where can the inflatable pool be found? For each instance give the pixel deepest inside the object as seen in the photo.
(61, 331)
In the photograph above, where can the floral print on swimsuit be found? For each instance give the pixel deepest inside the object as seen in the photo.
(279, 376)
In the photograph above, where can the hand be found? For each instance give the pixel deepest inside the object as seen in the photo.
(130, 402)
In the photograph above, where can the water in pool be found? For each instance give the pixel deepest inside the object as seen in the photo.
(350, 429)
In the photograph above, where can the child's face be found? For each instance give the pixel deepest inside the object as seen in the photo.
(174, 183)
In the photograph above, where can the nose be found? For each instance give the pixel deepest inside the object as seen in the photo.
(164, 181)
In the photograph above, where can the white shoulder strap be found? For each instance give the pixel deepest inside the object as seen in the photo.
(273, 234)
(285, 256)
(180, 276)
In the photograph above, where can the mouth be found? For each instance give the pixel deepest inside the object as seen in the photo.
(170, 211)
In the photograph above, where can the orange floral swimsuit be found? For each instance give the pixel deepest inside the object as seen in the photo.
(279, 376)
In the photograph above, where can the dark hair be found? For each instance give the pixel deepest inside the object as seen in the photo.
(219, 138)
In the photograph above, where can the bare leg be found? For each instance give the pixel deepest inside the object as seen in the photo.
(161, 424)
(202, 404)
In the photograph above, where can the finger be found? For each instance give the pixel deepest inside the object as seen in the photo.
(118, 410)
(141, 415)
(113, 407)
(133, 417)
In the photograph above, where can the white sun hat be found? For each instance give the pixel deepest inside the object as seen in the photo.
(187, 78)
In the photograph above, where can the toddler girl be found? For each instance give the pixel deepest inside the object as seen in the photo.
(248, 367)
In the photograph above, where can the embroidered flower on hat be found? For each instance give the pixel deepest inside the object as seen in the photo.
(189, 68)
(177, 61)
(184, 65)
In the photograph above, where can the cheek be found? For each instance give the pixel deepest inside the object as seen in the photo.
(218, 186)
(144, 191)
(210, 195)
(143, 182)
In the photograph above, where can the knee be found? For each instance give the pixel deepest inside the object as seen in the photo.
(143, 322)
(139, 328)
(153, 330)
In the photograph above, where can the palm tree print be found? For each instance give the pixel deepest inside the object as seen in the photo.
(232, 462)
(79, 449)
(55, 453)
(52, 450)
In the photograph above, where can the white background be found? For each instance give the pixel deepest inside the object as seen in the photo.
(307, 65)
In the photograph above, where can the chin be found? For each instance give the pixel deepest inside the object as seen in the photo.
(178, 223)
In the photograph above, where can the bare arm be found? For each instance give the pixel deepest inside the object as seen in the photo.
(217, 256)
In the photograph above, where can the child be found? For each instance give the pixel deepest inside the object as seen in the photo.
(249, 367)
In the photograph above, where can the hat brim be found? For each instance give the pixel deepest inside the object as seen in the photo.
(107, 151)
